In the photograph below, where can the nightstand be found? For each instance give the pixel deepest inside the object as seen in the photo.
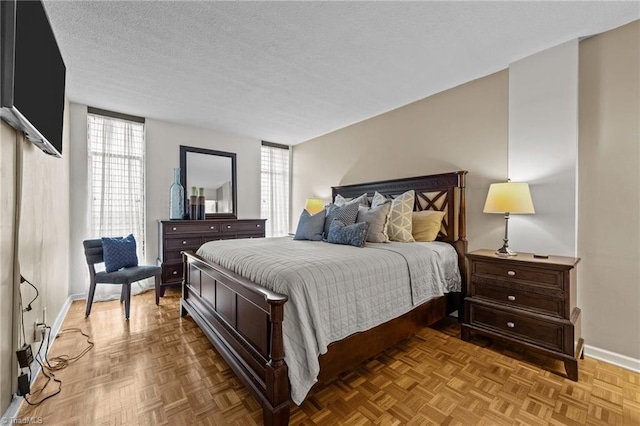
(526, 301)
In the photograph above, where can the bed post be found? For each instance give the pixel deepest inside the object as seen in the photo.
(461, 243)
(277, 379)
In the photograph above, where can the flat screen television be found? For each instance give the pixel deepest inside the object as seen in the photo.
(32, 74)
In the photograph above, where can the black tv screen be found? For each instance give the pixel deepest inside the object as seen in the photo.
(33, 74)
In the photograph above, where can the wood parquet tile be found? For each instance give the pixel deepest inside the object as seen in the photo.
(159, 369)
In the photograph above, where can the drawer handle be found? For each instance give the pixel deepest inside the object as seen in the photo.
(184, 242)
(228, 226)
(175, 272)
(511, 324)
(212, 227)
(512, 298)
(175, 229)
(511, 273)
(258, 226)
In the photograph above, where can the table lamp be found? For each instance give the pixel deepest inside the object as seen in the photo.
(314, 205)
(507, 198)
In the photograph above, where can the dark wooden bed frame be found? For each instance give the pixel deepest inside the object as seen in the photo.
(244, 320)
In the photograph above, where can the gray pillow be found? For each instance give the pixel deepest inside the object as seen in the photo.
(378, 219)
(346, 214)
(362, 200)
(310, 227)
(353, 235)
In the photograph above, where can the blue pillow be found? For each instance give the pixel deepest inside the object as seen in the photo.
(354, 235)
(310, 227)
(346, 214)
(119, 252)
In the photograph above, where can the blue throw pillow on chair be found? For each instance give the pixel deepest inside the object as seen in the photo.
(119, 252)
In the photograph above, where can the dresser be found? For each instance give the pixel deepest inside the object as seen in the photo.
(176, 236)
(525, 301)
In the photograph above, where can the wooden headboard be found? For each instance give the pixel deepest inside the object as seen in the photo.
(444, 192)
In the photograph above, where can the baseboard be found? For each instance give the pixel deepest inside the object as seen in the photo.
(16, 402)
(623, 361)
(78, 296)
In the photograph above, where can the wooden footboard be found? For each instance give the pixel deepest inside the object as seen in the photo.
(244, 320)
(244, 323)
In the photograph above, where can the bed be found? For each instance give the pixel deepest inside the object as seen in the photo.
(244, 318)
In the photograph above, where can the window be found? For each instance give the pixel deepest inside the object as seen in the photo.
(116, 176)
(274, 173)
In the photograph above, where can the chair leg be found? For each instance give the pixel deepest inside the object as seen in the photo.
(127, 299)
(158, 288)
(92, 291)
(122, 293)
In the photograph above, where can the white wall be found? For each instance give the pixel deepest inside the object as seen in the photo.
(163, 142)
(543, 144)
(79, 186)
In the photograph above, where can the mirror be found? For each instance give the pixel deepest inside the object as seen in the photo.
(215, 171)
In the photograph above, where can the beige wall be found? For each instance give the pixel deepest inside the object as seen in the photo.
(43, 240)
(609, 190)
(464, 128)
(7, 216)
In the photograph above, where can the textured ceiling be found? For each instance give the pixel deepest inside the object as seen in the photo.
(290, 71)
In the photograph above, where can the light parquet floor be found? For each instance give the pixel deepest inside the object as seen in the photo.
(159, 369)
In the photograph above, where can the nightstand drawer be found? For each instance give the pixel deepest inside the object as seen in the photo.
(536, 276)
(542, 333)
(518, 298)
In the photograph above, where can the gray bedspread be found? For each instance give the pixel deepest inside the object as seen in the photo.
(335, 290)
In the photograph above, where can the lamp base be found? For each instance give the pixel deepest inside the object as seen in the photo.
(504, 251)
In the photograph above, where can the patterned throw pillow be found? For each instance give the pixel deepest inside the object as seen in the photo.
(400, 220)
(346, 214)
(353, 235)
(119, 252)
(427, 224)
(378, 220)
(310, 227)
(361, 200)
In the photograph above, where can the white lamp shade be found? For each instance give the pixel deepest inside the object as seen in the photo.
(509, 197)
(314, 205)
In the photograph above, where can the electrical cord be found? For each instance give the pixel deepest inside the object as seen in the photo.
(24, 280)
(57, 363)
(49, 376)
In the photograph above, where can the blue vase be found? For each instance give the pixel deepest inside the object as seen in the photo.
(177, 197)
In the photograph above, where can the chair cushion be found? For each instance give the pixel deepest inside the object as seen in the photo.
(128, 275)
(119, 252)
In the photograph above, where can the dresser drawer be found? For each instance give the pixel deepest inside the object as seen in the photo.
(172, 256)
(244, 227)
(187, 243)
(521, 327)
(536, 276)
(190, 227)
(172, 272)
(517, 298)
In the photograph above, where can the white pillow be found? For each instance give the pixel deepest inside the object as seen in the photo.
(400, 216)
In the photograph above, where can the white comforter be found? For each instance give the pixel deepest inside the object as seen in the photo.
(335, 290)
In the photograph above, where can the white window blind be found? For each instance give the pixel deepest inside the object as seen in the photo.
(275, 189)
(116, 174)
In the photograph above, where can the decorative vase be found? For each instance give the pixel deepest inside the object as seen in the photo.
(193, 204)
(177, 197)
(201, 215)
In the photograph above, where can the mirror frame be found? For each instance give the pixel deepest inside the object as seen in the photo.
(183, 179)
